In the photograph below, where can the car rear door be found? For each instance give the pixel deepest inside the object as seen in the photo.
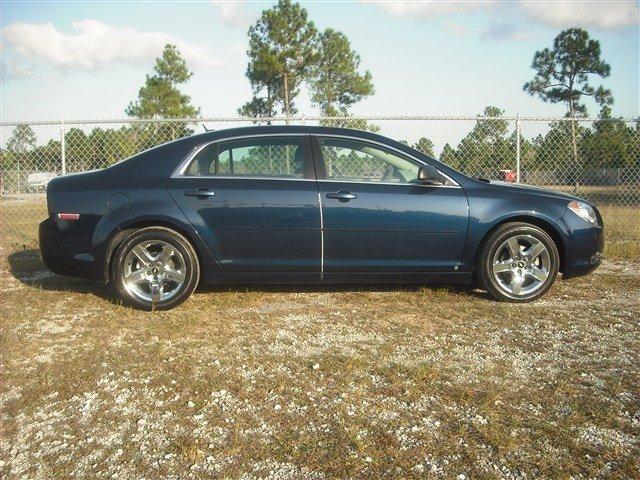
(254, 201)
(378, 219)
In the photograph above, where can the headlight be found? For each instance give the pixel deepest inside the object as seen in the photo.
(584, 211)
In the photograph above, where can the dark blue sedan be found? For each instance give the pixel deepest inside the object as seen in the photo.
(308, 204)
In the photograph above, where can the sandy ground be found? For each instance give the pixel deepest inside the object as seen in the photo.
(312, 382)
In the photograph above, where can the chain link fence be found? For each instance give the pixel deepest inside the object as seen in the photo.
(597, 159)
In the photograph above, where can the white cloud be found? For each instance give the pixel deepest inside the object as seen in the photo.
(12, 69)
(570, 13)
(96, 45)
(605, 14)
(428, 9)
(456, 28)
(501, 31)
(232, 12)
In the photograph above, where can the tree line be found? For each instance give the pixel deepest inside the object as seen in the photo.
(488, 146)
(492, 144)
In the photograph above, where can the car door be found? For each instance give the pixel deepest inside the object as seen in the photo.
(377, 218)
(254, 201)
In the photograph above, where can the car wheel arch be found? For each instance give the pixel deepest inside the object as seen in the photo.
(131, 226)
(544, 224)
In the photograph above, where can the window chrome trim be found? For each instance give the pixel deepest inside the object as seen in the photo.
(400, 184)
(179, 171)
(248, 177)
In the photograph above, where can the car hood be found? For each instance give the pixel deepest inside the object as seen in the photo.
(530, 189)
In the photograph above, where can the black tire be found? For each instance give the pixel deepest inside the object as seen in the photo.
(489, 247)
(187, 255)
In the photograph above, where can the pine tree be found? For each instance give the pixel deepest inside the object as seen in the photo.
(425, 146)
(335, 81)
(160, 96)
(562, 75)
(281, 49)
(22, 139)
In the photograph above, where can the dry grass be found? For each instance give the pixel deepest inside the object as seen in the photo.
(622, 229)
(350, 382)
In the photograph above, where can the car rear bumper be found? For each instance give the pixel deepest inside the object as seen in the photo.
(58, 258)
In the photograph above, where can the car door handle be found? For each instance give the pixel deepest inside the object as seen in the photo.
(342, 195)
(200, 193)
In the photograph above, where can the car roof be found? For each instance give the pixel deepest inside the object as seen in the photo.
(293, 129)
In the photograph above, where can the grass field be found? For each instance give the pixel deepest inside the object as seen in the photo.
(318, 382)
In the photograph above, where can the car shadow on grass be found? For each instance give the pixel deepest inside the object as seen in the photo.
(27, 267)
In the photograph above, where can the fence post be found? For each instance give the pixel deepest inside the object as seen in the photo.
(518, 148)
(62, 148)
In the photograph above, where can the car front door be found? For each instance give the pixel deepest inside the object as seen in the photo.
(378, 218)
(254, 201)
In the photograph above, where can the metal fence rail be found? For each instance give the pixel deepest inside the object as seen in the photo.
(598, 159)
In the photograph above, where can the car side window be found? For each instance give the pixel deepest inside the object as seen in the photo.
(251, 157)
(352, 160)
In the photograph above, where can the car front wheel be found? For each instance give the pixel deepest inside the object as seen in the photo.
(518, 262)
(155, 268)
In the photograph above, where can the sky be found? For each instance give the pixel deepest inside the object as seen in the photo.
(87, 60)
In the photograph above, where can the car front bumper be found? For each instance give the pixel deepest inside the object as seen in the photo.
(584, 245)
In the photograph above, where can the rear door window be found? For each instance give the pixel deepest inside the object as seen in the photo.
(267, 157)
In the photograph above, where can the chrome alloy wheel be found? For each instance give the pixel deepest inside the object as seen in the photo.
(154, 271)
(521, 265)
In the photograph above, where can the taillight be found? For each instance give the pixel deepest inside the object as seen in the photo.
(68, 217)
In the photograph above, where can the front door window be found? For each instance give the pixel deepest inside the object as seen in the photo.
(350, 160)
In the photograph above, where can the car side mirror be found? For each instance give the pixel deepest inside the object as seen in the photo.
(428, 175)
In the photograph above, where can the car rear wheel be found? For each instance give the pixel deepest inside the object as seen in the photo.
(155, 268)
(518, 263)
